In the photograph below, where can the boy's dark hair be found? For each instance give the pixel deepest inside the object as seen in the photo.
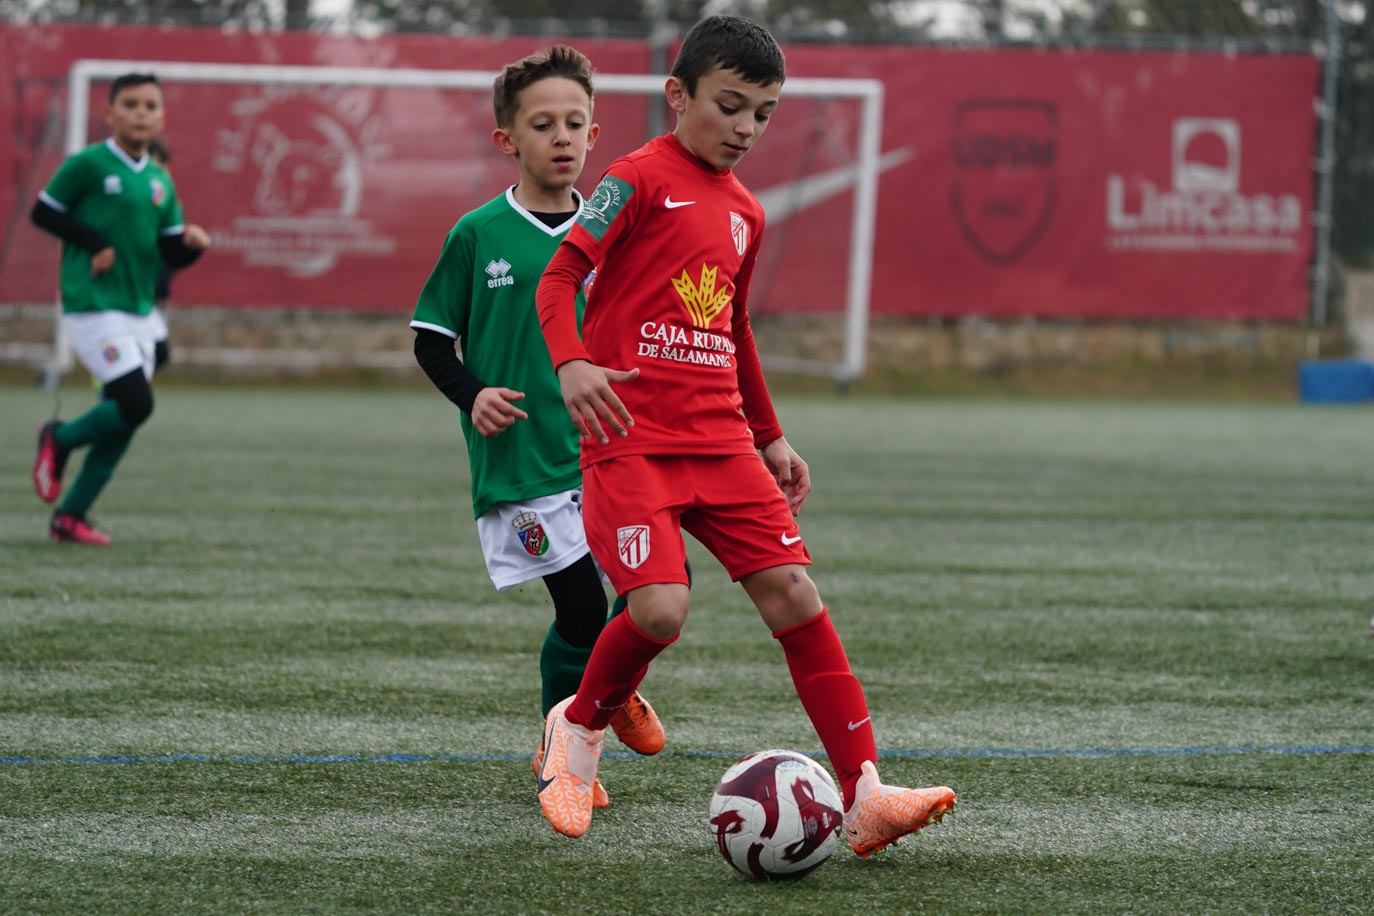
(159, 151)
(557, 61)
(731, 43)
(131, 79)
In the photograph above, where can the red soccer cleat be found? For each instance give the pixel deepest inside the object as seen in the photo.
(47, 467)
(66, 528)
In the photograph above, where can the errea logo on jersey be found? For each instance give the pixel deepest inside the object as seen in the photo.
(499, 271)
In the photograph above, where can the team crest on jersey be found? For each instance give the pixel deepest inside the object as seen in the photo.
(113, 185)
(110, 354)
(159, 191)
(703, 301)
(739, 231)
(632, 543)
(606, 201)
(531, 534)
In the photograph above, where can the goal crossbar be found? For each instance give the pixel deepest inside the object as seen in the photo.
(868, 92)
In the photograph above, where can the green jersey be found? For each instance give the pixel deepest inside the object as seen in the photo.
(481, 292)
(133, 203)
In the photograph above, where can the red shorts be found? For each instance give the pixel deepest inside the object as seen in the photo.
(634, 510)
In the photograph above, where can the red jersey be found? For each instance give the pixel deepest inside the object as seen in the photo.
(674, 242)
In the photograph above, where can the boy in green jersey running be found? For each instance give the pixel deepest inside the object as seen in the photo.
(523, 451)
(119, 219)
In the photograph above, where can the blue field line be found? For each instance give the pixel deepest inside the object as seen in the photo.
(476, 758)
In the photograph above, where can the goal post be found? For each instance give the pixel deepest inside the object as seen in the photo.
(848, 364)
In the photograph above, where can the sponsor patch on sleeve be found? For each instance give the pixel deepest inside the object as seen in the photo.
(601, 208)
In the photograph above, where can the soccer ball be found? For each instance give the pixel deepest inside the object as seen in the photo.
(776, 814)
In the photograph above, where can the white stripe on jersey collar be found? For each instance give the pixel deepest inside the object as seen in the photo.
(136, 164)
(536, 221)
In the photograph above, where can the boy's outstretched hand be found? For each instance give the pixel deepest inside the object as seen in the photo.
(196, 237)
(494, 409)
(790, 471)
(591, 402)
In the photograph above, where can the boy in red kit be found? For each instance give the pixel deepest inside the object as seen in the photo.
(676, 442)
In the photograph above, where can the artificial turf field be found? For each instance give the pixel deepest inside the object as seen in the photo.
(1131, 636)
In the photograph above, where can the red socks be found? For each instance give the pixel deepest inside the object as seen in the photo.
(828, 689)
(619, 662)
(831, 696)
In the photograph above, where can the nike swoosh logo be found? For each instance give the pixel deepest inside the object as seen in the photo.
(853, 726)
(548, 745)
(789, 541)
(674, 204)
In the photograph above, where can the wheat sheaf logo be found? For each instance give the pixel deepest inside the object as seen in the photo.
(704, 302)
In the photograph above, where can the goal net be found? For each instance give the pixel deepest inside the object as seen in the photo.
(330, 189)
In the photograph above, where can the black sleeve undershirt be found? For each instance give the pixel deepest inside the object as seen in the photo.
(173, 248)
(68, 228)
(436, 355)
(175, 252)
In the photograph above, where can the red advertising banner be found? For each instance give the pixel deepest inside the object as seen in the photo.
(1094, 184)
(315, 197)
(1074, 184)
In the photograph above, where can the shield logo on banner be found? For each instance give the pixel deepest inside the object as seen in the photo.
(1005, 154)
(633, 545)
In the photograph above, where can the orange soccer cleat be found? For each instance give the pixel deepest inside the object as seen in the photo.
(600, 798)
(637, 726)
(881, 814)
(568, 772)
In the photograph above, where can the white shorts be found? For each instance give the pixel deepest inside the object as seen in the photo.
(157, 323)
(532, 538)
(112, 344)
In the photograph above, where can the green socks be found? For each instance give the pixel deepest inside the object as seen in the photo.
(96, 471)
(104, 430)
(560, 668)
(102, 421)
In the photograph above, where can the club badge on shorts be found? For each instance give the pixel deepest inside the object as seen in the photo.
(531, 533)
(633, 545)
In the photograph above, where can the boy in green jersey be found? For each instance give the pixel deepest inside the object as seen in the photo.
(119, 219)
(523, 451)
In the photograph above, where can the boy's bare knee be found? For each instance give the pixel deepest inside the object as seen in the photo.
(784, 595)
(659, 610)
